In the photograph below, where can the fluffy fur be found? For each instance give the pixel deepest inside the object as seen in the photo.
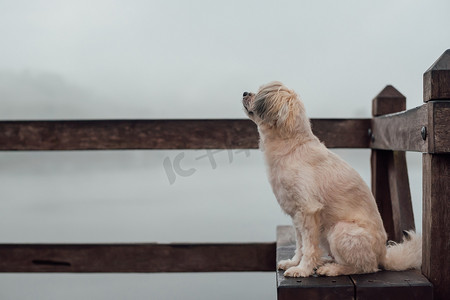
(332, 209)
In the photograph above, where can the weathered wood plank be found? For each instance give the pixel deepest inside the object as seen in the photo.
(342, 133)
(387, 101)
(388, 285)
(390, 186)
(127, 134)
(438, 132)
(422, 129)
(436, 222)
(436, 80)
(436, 179)
(400, 131)
(400, 195)
(380, 188)
(163, 134)
(137, 257)
(390, 183)
(340, 287)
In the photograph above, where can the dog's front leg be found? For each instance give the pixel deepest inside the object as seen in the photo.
(308, 224)
(294, 261)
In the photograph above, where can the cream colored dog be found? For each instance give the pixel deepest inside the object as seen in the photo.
(331, 207)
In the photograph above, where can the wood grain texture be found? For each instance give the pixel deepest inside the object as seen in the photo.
(438, 126)
(387, 101)
(389, 285)
(127, 134)
(436, 80)
(380, 188)
(342, 133)
(390, 182)
(436, 222)
(400, 194)
(390, 186)
(401, 131)
(137, 257)
(163, 134)
(436, 178)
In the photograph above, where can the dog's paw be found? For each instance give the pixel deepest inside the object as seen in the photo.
(334, 269)
(298, 272)
(327, 270)
(286, 264)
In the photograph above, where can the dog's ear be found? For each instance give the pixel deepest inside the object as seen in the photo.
(288, 113)
(260, 107)
(266, 104)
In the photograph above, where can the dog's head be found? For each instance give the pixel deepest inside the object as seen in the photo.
(274, 106)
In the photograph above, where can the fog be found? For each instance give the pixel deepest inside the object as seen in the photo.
(184, 59)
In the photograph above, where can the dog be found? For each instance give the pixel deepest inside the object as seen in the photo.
(339, 230)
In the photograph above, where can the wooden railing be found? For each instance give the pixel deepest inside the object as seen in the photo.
(389, 133)
(163, 134)
(424, 129)
(151, 134)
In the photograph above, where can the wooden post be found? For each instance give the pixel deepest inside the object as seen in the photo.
(390, 184)
(436, 179)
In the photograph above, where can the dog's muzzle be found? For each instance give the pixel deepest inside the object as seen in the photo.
(246, 98)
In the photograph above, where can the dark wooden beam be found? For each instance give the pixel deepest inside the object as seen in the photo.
(410, 284)
(342, 133)
(400, 195)
(436, 84)
(436, 179)
(400, 131)
(423, 129)
(387, 101)
(137, 257)
(163, 134)
(380, 188)
(127, 134)
(436, 222)
(438, 133)
(390, 182)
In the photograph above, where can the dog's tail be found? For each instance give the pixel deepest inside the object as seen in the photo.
(405, 255)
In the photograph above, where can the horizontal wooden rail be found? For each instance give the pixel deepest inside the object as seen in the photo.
(423, 129)
(400, 131)
(164, 134)
(120, 258)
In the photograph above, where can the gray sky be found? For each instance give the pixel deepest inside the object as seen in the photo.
(193, 59)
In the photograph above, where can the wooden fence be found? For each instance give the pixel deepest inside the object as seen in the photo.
(389, 133)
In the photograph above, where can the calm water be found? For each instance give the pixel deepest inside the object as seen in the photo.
(139, 196)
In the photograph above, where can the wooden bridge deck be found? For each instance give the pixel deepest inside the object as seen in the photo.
(383, 285)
